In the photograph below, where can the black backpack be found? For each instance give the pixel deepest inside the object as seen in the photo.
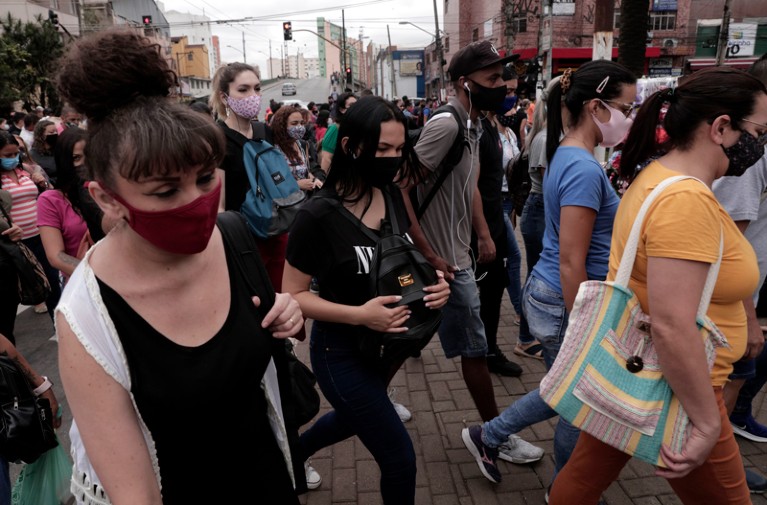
(518, 179)
(397, 268)
(452, 158)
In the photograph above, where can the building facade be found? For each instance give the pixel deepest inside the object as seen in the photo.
(197, 31)
(192, 66)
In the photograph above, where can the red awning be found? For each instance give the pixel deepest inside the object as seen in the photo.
(584, 53)
(742, 63)
(526, 54)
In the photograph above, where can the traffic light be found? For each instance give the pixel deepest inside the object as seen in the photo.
(147, 20)
(348, 74)
(53, 17)
(287, 30)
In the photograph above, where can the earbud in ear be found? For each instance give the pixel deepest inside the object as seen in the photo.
(466, 87)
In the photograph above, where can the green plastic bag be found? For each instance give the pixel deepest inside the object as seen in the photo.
(45, 481)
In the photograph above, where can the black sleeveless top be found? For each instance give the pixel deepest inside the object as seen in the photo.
(204, 405)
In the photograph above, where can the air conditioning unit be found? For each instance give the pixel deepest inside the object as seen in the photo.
(670, 43)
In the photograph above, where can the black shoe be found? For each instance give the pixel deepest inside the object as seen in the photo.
(498, 363)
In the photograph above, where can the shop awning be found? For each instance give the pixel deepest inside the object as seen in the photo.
(742, 63)
(584, 53)
(527, 53)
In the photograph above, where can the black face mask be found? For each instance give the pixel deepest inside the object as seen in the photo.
(506, 121)
(379, 172)
(51, 140)
(743, 154)
(483, 98)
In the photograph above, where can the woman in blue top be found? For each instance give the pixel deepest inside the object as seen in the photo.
(590, 107)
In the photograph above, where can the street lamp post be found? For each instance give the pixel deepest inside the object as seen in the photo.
(438, 46)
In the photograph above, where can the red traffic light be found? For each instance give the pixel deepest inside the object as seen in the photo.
(147, 20)
(287, 25)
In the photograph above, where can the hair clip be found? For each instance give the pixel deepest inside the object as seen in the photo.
(564, 81)
(603, 85)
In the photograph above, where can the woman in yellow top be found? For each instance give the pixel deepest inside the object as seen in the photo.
(717, 125)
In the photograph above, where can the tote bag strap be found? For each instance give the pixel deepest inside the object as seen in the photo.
(629, 252)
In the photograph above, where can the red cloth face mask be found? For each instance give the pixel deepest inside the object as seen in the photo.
(183, 230)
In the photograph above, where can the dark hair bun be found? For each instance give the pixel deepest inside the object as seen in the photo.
(109, 70)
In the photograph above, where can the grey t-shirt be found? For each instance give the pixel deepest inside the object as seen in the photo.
(744, 199)
(447, 221)
(536, 160)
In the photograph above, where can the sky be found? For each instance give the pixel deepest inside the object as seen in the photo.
(369, 16)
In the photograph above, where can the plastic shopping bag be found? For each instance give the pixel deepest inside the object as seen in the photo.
(45, 481)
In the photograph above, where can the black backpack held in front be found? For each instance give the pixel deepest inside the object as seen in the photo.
(398, 268)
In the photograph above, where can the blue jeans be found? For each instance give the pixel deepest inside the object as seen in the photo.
(514, 266)
(461, 331)
(532, 225)
(358, 393)
(752, 386)
(548, 323)
(5, 482)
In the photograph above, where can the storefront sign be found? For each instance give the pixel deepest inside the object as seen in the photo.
(742, 39)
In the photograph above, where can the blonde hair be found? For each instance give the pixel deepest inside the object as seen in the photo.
(221, 81)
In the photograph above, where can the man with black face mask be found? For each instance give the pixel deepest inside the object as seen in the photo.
(444, 232)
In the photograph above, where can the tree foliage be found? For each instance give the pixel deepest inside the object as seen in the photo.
(633, 38)
(28, 55)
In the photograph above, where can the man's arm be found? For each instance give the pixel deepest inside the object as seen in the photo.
(485, 242)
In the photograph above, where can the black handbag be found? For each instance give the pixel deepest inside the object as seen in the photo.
(26, 420)
(398, 268)
(33, 283)
(305, 399)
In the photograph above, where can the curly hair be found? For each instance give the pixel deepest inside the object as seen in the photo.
(38, 139)
(121, 82)
(280, 131)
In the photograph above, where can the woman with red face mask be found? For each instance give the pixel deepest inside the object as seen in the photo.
(157, 325)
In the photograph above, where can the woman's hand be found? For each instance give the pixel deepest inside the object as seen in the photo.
(48, 395)
(317, 183)
(14, 233)
(438, 293)
(284, 319)
(377, 316)
(695, 451)
(306, 184)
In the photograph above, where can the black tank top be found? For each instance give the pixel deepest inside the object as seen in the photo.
(204, 405)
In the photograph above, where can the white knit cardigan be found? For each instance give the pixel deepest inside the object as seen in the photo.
(84, 310)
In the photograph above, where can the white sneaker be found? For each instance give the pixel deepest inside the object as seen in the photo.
(313, 477)
(516, 450)
(402, 411)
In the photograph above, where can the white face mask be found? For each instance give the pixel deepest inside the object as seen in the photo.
(615, 130)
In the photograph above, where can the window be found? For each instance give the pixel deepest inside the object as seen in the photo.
(475, 35)
(662, 20)
(447, 44)
(617, 18)
(519, 24)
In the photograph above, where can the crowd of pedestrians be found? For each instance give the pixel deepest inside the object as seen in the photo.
(132, 217)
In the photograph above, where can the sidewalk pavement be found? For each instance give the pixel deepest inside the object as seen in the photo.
(432, 387)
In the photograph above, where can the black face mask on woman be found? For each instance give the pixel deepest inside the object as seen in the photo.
(743, 154)
(379, 172)
(484, 98)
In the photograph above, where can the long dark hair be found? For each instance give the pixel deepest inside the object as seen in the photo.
(596, 79)
(703, 96)
(362, 125)
(5, 139)
(67, 179)
(121, 81)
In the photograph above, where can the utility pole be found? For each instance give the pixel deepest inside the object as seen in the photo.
(343, 43)
(391, 66)
(244, 58)
(271, 61)
(604, 12)
(282, 60)
(724, 35)
(440, 55)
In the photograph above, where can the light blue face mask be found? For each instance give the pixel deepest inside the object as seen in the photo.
(10, 163)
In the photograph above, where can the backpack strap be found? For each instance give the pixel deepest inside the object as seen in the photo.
(451, 159)
(244, 249)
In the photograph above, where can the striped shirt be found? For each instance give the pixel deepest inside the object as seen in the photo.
(24, 197)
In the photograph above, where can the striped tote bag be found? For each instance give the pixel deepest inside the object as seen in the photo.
(606, 379)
